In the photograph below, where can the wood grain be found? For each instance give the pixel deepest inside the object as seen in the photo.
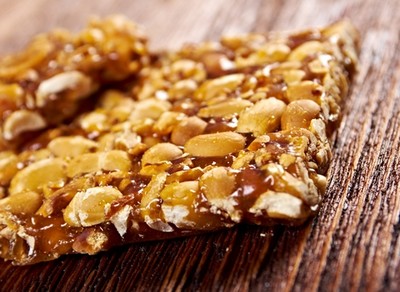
(354, 242)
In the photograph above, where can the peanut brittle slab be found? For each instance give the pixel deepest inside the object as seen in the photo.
(210, 136)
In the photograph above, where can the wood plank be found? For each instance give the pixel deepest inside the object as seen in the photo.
(353, 243)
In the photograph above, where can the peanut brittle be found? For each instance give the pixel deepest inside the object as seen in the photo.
(210, 136)
(45, 84)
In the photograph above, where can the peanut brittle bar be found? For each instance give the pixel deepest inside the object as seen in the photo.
(207, 137)
(46, 83)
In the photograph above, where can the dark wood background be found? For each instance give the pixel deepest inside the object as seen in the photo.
(353, 244)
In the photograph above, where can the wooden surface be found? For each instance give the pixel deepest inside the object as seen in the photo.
(353, 244)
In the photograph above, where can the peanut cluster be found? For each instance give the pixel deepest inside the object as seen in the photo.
(47, 83)
(200, 139)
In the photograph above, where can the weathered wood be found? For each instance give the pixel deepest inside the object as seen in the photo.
(354, 242)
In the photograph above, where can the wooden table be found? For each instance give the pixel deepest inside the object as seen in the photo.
(353, 244)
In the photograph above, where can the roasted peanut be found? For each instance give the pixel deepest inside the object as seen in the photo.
(106, 142)
(22, 121)
(186, 129)
(27, 202)
(216, 64)
(115, 160)
(95, 121)
(320, 66)
(180, 193)
(185, 175)
(280, 205)
(273, 52)
(219, 86)
(120, 219)
(12, 93)
(225, 109)
(306, 49)
(217, 185)
(91, 162)
(177, 202)
(286, 182)
(286, 160)
(283, 67)
(126, 140)
(152, 191)
(182, 89)
(88, 207)
(293, 76)
(299, 113)
(91, 243)
(111, 99)
(262, 118)
(154, 169)
(85, 163)
(185, 68)
(71, 146)
(149, 205)
(8, 167)
(37, 175)
(268, 53)
(167, 121)
(243, 159)
(305, 90)
(235, 42)
(149, 108)
(160, 153)
(73, 85)
(216, 144)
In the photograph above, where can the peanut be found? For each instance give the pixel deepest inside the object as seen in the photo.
(74, 83)
(161, 152)
(280, 205)
(264, 117)
(37, 175)
(88, 207)
(22, 121)
(217, 185)
(304, 90)
(216, 144)
(306, 49)
(186, 129)
(8, 167)
(71, 146)
(92, 162)
(27, 202)
(225, 109)
(219, 86)
(299, 114)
